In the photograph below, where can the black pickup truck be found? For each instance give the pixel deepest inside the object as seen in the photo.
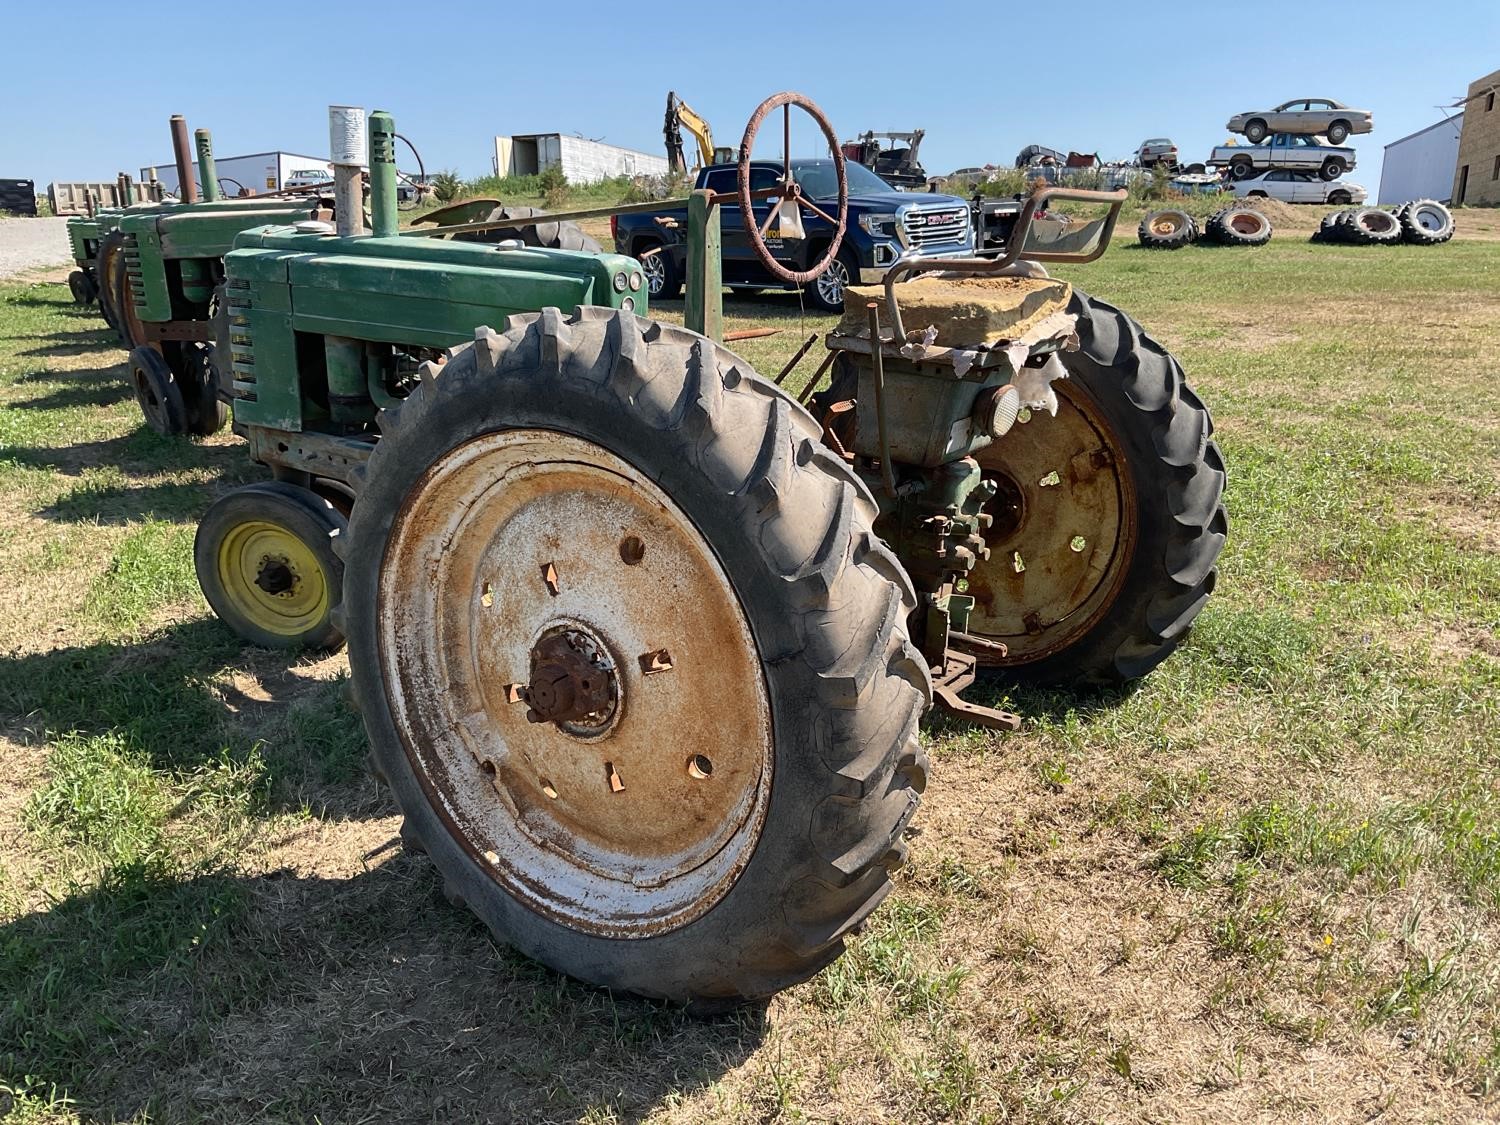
(883, 225)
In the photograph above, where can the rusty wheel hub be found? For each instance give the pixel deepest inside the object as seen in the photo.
(275, 575)
(575, 682)
(1064, 530)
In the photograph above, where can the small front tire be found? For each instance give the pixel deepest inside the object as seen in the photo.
(265, 562)
(158, 392)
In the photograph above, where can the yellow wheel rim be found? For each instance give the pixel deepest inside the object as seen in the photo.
(272, 578)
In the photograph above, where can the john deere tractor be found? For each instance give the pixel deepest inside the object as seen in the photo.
(641, 644)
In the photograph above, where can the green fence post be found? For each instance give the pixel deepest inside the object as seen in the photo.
(703, 309)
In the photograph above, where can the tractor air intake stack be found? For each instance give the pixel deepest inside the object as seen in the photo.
(383, 174)
(187, 187)
(346, 152)
(207, 172)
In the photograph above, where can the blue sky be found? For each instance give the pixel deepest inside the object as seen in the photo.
(1091, 76)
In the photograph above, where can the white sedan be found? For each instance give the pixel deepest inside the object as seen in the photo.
(1292, 186)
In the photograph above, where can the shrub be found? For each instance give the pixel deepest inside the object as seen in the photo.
(447, 186)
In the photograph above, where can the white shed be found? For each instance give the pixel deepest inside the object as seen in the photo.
(1420, 166)
(581, 160)
(259, 172)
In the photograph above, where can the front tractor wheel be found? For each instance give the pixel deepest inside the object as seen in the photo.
(265, 561)
(632, 660)
(1109, 517)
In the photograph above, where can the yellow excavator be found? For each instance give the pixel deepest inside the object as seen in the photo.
(680, 116)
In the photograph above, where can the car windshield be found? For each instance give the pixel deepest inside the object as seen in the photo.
(820, 180)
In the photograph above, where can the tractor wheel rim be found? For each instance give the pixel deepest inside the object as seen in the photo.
(272, 578)
(1064, 531)
(832, 282)
(1429, 219)
(655, 271)
(638, 818)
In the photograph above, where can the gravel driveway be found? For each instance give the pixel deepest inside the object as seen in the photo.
(26, 244)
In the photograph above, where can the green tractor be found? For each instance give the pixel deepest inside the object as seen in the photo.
(640, 643)
(155, 268)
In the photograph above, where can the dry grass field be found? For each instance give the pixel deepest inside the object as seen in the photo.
(1263, 883)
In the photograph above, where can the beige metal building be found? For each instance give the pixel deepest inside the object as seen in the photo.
(1478, 177)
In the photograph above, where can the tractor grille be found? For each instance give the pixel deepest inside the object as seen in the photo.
(241, 345)
(133, 271)
(932, 226)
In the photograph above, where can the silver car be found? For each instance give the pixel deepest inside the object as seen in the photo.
(1313, 116)
(1292, 186)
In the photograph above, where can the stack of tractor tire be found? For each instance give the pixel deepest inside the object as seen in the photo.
(1233, 226)
(1421, 222)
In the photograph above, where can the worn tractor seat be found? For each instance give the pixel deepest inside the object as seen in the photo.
(966, 311)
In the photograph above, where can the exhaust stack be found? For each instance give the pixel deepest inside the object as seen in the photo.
(187, 186)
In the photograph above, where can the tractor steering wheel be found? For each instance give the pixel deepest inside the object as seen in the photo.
(787, 187)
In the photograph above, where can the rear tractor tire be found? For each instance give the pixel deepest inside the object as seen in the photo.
(111, 249)
(1240, 226)
(1425, 222)
(632, 660)
(265, 559)
(1109, 518)
(1167, 230)
(558, 235)
(1373, 226)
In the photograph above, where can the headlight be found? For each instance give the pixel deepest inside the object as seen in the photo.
(879, 226)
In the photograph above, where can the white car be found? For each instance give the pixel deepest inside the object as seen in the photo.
(1292, 186)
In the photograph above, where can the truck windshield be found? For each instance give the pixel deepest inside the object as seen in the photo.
(820, 180)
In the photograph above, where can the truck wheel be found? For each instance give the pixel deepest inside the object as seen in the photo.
(632, 660)
(1167, 230)
(1425, 222)
(1332, 169)
(1241, 167)
(1255, 130)
(663, 281)
(265, 562)
(111, 247)
(1338, 132)
(158, 392)
(826, 291)
(1109, 517)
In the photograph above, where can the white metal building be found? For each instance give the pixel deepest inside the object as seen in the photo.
(581, 160)
(1420, 166)
(260, 171)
